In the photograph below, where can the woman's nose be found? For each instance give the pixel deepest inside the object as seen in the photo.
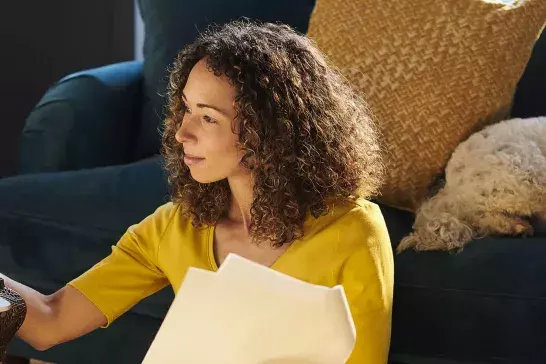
(184, 132)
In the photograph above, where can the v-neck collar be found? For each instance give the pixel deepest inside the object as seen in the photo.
(212, 260)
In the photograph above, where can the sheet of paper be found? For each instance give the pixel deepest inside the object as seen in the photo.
(249, 314)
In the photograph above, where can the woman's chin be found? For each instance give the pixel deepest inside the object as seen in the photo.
(201, 178)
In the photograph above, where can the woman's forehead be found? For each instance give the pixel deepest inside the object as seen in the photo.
(203, 86)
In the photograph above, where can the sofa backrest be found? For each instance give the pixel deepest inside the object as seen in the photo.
(530, 97)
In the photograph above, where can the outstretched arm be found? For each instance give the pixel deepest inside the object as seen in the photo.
(62, 316)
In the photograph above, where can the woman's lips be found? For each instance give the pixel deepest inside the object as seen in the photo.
(191, 160)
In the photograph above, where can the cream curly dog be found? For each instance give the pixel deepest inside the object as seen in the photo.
(495, 185)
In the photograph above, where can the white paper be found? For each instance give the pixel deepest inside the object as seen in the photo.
(247, 313)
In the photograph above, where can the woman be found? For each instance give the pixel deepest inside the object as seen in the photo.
(270, 155)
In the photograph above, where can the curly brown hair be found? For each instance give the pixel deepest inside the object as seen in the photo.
(307, 136)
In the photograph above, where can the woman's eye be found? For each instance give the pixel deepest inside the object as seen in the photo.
(209, 120)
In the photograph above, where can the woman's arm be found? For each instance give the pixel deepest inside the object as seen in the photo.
(367, 276)
(368, 282)
(104, 292)
(51, 320)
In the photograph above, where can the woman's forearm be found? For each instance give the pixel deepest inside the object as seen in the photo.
(38, 327)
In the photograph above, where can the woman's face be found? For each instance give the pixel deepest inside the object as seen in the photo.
(206, 132)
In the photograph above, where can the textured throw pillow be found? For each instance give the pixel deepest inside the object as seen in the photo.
(432, 71)
(171, 24)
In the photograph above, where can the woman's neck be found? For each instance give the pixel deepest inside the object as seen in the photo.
(242, 196)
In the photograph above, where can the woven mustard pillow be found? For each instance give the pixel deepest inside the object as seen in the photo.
(432, 71)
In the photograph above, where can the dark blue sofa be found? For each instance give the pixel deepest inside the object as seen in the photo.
(89, 168)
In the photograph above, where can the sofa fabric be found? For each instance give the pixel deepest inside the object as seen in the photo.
(72, 202)
(86, 120)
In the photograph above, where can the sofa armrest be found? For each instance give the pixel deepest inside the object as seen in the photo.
(87, 119)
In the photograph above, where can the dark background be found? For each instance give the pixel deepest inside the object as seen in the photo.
(42, 41)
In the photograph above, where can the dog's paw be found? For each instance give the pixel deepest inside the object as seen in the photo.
(406, 243)
(425, 243)
(522, 227)
(538, 222)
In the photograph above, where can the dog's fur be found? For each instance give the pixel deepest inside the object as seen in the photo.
(495, 185)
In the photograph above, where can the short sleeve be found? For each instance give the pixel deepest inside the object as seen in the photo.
(368, 279)
(131, 272)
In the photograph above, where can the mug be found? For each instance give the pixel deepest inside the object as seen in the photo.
(13, 311)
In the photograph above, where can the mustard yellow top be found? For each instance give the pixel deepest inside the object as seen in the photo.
(348, 246)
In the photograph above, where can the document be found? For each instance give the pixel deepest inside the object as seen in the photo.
(246, 313)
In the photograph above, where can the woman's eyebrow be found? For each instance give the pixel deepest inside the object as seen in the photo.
(208, 106)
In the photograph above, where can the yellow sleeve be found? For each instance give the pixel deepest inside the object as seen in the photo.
(368, 278)
(131, 272)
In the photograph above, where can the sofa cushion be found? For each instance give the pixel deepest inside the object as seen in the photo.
(171, 24)
(484, 304)
(433, 71)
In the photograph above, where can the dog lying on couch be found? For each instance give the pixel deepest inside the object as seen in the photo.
(495, 184)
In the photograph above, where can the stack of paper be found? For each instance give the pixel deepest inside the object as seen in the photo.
(247, 313)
